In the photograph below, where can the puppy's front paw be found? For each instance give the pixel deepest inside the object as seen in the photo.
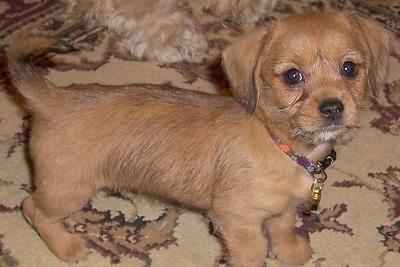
(297, 251)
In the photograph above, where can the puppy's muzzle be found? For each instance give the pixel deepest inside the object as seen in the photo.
(331, 110)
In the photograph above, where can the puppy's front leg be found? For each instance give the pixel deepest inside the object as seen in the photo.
(289, 247)
(244, 240)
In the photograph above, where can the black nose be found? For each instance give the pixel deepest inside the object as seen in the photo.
(331, 109)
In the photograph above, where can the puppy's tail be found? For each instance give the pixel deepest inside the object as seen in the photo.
(34, 87)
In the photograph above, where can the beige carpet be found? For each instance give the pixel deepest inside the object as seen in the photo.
(358, 223)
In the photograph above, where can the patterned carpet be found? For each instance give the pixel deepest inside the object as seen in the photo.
(358, 223)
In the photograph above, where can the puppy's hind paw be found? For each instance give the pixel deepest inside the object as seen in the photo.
(71, 248)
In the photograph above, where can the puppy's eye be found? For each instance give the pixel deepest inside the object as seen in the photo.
(349, 69)
(293, 77)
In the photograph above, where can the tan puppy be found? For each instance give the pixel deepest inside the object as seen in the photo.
(163, 29)
(304, 77)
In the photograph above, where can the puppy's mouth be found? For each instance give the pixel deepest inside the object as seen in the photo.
(331, 133)
(339, 133)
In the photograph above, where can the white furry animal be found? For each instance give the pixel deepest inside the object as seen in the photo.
(162, 29)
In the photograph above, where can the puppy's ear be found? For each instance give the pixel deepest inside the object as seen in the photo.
(241, 64)
(377, 46)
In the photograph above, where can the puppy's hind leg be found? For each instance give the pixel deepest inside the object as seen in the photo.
(46, 208)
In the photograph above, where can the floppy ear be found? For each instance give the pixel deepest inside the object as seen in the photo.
(377, 44)
(241, 64)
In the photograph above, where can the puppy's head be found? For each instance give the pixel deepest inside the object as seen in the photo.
(312, 71)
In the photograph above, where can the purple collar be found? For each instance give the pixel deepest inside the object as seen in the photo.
(317, 170)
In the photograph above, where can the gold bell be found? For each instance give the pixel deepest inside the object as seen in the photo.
(315, 196)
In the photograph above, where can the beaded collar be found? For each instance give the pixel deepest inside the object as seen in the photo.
(317, 170)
